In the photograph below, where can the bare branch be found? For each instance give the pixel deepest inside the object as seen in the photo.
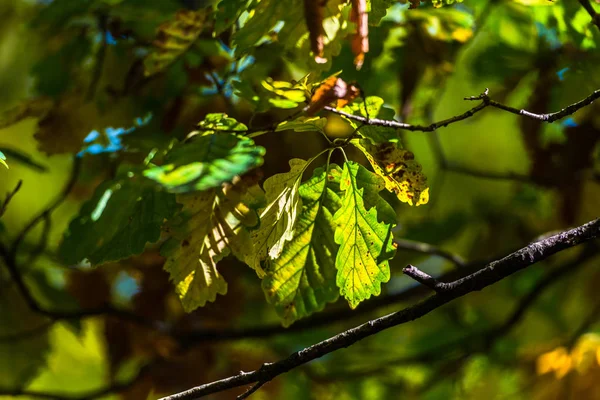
(26, 334)
(423, 278)
(50, 208)
(472, 342)
(590, 10)
(101, 55)
(485, 102)
(252, 389)
(592, 318)
(486, 276)
(9, 197)
(550, 117)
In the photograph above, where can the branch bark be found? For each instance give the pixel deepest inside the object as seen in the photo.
(590, 10)
(490, 274)
(486, 101)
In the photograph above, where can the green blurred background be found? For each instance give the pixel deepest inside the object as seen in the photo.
(497, 182)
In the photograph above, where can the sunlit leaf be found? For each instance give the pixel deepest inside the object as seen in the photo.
(303, 124)
(283, 94)
(86, 350)
(219, 122)
(208, 160)
(213, 224)
(401, 172)
(364, 233)
(3, 159)
(278, 218)
(302, 279)
(373, 107)
(123, 215)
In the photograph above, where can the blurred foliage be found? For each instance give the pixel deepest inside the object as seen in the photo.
(175, 167)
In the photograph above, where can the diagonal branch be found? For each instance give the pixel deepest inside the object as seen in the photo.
(481, 340)
(590, 10)
(486, 101)
(50, 208)
(423, 278)
(490, 274)
(9, 197)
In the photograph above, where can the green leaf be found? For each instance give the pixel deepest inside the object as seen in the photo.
(3, 160)
(214, 224)
(302, 279)
(219, 122)
(374, 109)
(378, 10)
(54, 72)
(283, 94)
(303, 124)
(228, 11)
(264, 17)
(206, 162)
(123, 215)
(364, 233)
(278, 218)
(174, 38)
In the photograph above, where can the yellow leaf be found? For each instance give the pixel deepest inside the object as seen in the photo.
(399, 169)
(278, 218)
(215, 227)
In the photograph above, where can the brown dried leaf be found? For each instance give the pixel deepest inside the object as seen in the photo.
(414, 4)
(36, 108)
(63, 129)
(332, 89)
(360, 41)
(351, 95)
(313, 14)
(401, 172)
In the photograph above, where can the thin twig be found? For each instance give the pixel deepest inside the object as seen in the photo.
(9, 197)
(57, 315)
(485, 102)
(472, 342)
(99, 65)
(252, 389)
(24, 335)
(585, 325)
(423, 278)
(50, 208)
(590, 10)
(488, 275)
